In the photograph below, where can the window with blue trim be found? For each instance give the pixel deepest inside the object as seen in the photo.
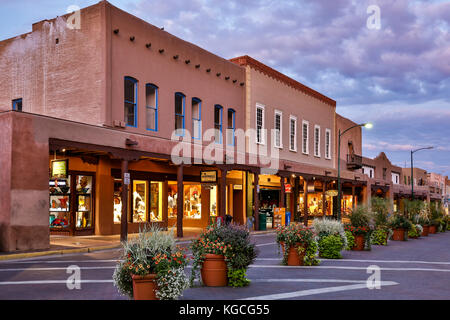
(17, 104)
(151, 101)
(196, 118)
(179, 113)
(218, 123)
(231, 127)
(130, 103)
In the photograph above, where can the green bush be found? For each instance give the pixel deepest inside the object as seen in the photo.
(380, 209)
(379, 237)
(310, 254)
(330, 247)
(413, 232)
(350, 240)
(398, 221)
(237, 278)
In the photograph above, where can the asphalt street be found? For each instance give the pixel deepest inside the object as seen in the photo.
(413, 269)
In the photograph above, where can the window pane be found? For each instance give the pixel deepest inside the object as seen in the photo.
(156, 201)
(179, 104)
(217, 112)
(129, 114)
(139, 201)
(195, 109)
(179, 122)
(151, 118)
(196, 128)
(150, 94)
(129, 90)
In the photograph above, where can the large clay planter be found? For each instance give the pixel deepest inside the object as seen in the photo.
(399, 235)
(426, 230)
(214, 271)
(432, 229)
(359, 243)
(294, 257)
(144, 287)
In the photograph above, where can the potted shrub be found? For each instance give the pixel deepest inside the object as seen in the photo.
(415, 231)
(295, 240)
(400, 226)
(151, 267)
(361, 225)
(331, 238)
(221, 255)
(380, 209)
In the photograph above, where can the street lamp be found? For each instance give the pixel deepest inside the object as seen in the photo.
(367, 126)
(412, 173)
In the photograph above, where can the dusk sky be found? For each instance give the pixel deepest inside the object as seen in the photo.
(397, 76)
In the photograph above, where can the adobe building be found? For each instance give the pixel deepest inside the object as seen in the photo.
(97, 107)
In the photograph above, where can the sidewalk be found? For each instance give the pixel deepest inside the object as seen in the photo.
(66, 245)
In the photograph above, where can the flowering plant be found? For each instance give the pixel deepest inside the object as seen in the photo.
(298, 236)
(153, 252)
(357, 230)
(231, 241)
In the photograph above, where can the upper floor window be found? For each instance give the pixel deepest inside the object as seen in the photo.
(130, 104)
(305, 137)
(259, 124)
(317, 141)
(278, 128)
(179, 113)
(328, 144)
(151, 97)
(395, 178)
(196, 118)
(218, 123)
(293, 133)
(231, 127)
(17, 104)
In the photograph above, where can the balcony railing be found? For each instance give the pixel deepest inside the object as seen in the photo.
(354, 162)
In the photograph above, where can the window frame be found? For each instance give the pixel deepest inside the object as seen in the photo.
(15, 102)
(135, 103)
(280, 133)
(233, 125)
(293, 118)
(328, 147)
(262, 137)
(155, 87)
(317, 141)
(305, 146)
(182, 115)
(199, 119)
(220, 124)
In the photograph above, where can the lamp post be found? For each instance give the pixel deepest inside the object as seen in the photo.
(366, 125)
(412, 172)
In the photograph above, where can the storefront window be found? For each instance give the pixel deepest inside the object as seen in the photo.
(156, 201)
(139, 201)
(213, 201)
(117, 200)
(59, 203)
(83, 218)
(347, 204)
(192, 202)
(172, 199)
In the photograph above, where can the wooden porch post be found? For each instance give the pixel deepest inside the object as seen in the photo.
(124, 218)
(180, 201)
(223, 193)
(256, 199)
(282, 194)
(305, 211)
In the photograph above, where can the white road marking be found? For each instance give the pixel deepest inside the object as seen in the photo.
(60, 261)
(266, 244)
(388, 261)
(8, 283)
(309, 280)
(55, 268)
(347, 268)
(309, 292)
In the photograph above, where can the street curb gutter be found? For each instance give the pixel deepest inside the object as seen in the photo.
(16, 256)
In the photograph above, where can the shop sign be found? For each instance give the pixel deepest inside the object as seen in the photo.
(311, 188)
(208, 176)
(288, 188)
(126, 178)
(331, 193)
(59, 168)
(237, 187)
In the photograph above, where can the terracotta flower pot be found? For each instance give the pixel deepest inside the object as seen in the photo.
(432, 229)
(214, 271)
(426, 230)
(359, 243)
(399, 235)
(144, 287)
(294, 257)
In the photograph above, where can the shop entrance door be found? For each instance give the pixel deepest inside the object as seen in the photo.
(238, 203)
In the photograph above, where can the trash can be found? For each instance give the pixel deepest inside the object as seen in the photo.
(262, 221)
(288, 218)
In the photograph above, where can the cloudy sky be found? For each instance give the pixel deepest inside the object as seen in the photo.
(397, 76)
